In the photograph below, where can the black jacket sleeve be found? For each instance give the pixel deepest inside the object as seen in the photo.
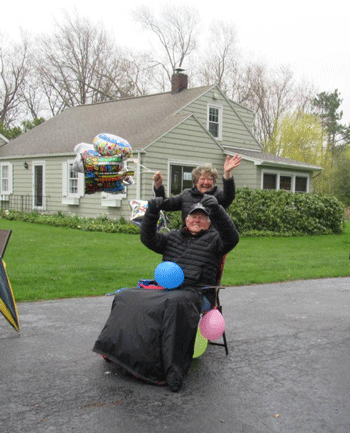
(226, 228)
(150, 237)
(159, 192)
(170, 203)
(226, 195)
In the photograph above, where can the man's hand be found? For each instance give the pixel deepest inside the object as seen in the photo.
(210, 202)
(157, 180)
(155, 205)
(230, 164)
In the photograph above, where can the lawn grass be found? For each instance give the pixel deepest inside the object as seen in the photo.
(274, 259)
(45, 262)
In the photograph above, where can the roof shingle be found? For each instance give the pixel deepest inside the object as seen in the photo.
(139, 120)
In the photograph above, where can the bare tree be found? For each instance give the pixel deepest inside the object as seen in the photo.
(13, 71)
(269, 94)
(128, 74)
(176, 30)
(219, 63)
(80, 64)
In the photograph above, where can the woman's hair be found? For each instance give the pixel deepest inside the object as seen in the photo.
(204, 170)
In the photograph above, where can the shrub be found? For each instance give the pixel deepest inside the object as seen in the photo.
(285, 213)
(174, 219)
(102, 223)
(281, 213)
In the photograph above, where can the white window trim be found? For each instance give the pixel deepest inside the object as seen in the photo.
(67, 197)
(220, 108)
(292, 174)
(4, 194)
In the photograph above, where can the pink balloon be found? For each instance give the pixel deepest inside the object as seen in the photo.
(212, 325)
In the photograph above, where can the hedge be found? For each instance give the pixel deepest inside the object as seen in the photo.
(281, 213)
(255, 213)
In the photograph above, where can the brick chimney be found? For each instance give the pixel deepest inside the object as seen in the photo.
(179, 81)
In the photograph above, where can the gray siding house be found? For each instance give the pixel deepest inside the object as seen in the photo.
(172, 132)
(3, 140)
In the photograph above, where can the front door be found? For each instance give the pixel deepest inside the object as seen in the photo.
(38, 186)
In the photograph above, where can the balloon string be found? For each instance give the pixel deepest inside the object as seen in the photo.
(143, 166)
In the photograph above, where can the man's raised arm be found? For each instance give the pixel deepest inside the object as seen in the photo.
(150, 236)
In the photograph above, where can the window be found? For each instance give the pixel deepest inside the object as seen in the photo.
(72, 181)
(5, 180)
(287, 181)
(215, 121)
(300, 184)
(72, 184)
(270, 181)
(180, 178)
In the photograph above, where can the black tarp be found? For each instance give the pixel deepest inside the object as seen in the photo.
(151, 333)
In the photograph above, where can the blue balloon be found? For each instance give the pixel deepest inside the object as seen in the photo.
(169, 275)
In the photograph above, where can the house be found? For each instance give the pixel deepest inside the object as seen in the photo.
(3, 140)
(172, 132)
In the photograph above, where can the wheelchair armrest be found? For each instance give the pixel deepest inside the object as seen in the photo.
(212, 287)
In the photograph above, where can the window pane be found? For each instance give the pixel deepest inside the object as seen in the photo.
(286, 183)
(214, 119)
(4, 178)
(72, 174)
(300, 184)
(73, 186)
(38, 185)
(214, 129)
(270, 181)
(213, 115)
(72, 181)
(4, 171)
(181, 178)
(187, 177)
(176, 174)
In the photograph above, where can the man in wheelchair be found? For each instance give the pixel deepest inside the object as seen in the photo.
(151, 333)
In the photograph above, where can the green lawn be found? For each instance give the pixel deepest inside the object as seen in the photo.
(45, 262)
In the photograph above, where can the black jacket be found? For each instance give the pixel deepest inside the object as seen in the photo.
(198, 256)
(190, 196)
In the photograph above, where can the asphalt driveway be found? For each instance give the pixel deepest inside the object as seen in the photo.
(288, 370)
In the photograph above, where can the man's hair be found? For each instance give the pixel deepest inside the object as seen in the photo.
(204, 170)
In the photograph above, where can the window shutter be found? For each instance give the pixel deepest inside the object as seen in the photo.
(81, 184)
(64, 179)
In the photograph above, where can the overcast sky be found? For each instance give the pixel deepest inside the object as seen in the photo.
(310, 36)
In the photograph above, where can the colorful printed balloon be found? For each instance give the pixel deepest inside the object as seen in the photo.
(111, 145)
(105, 173)
(104, 164)
(138, 210)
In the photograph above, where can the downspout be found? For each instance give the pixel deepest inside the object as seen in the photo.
(138, 176)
